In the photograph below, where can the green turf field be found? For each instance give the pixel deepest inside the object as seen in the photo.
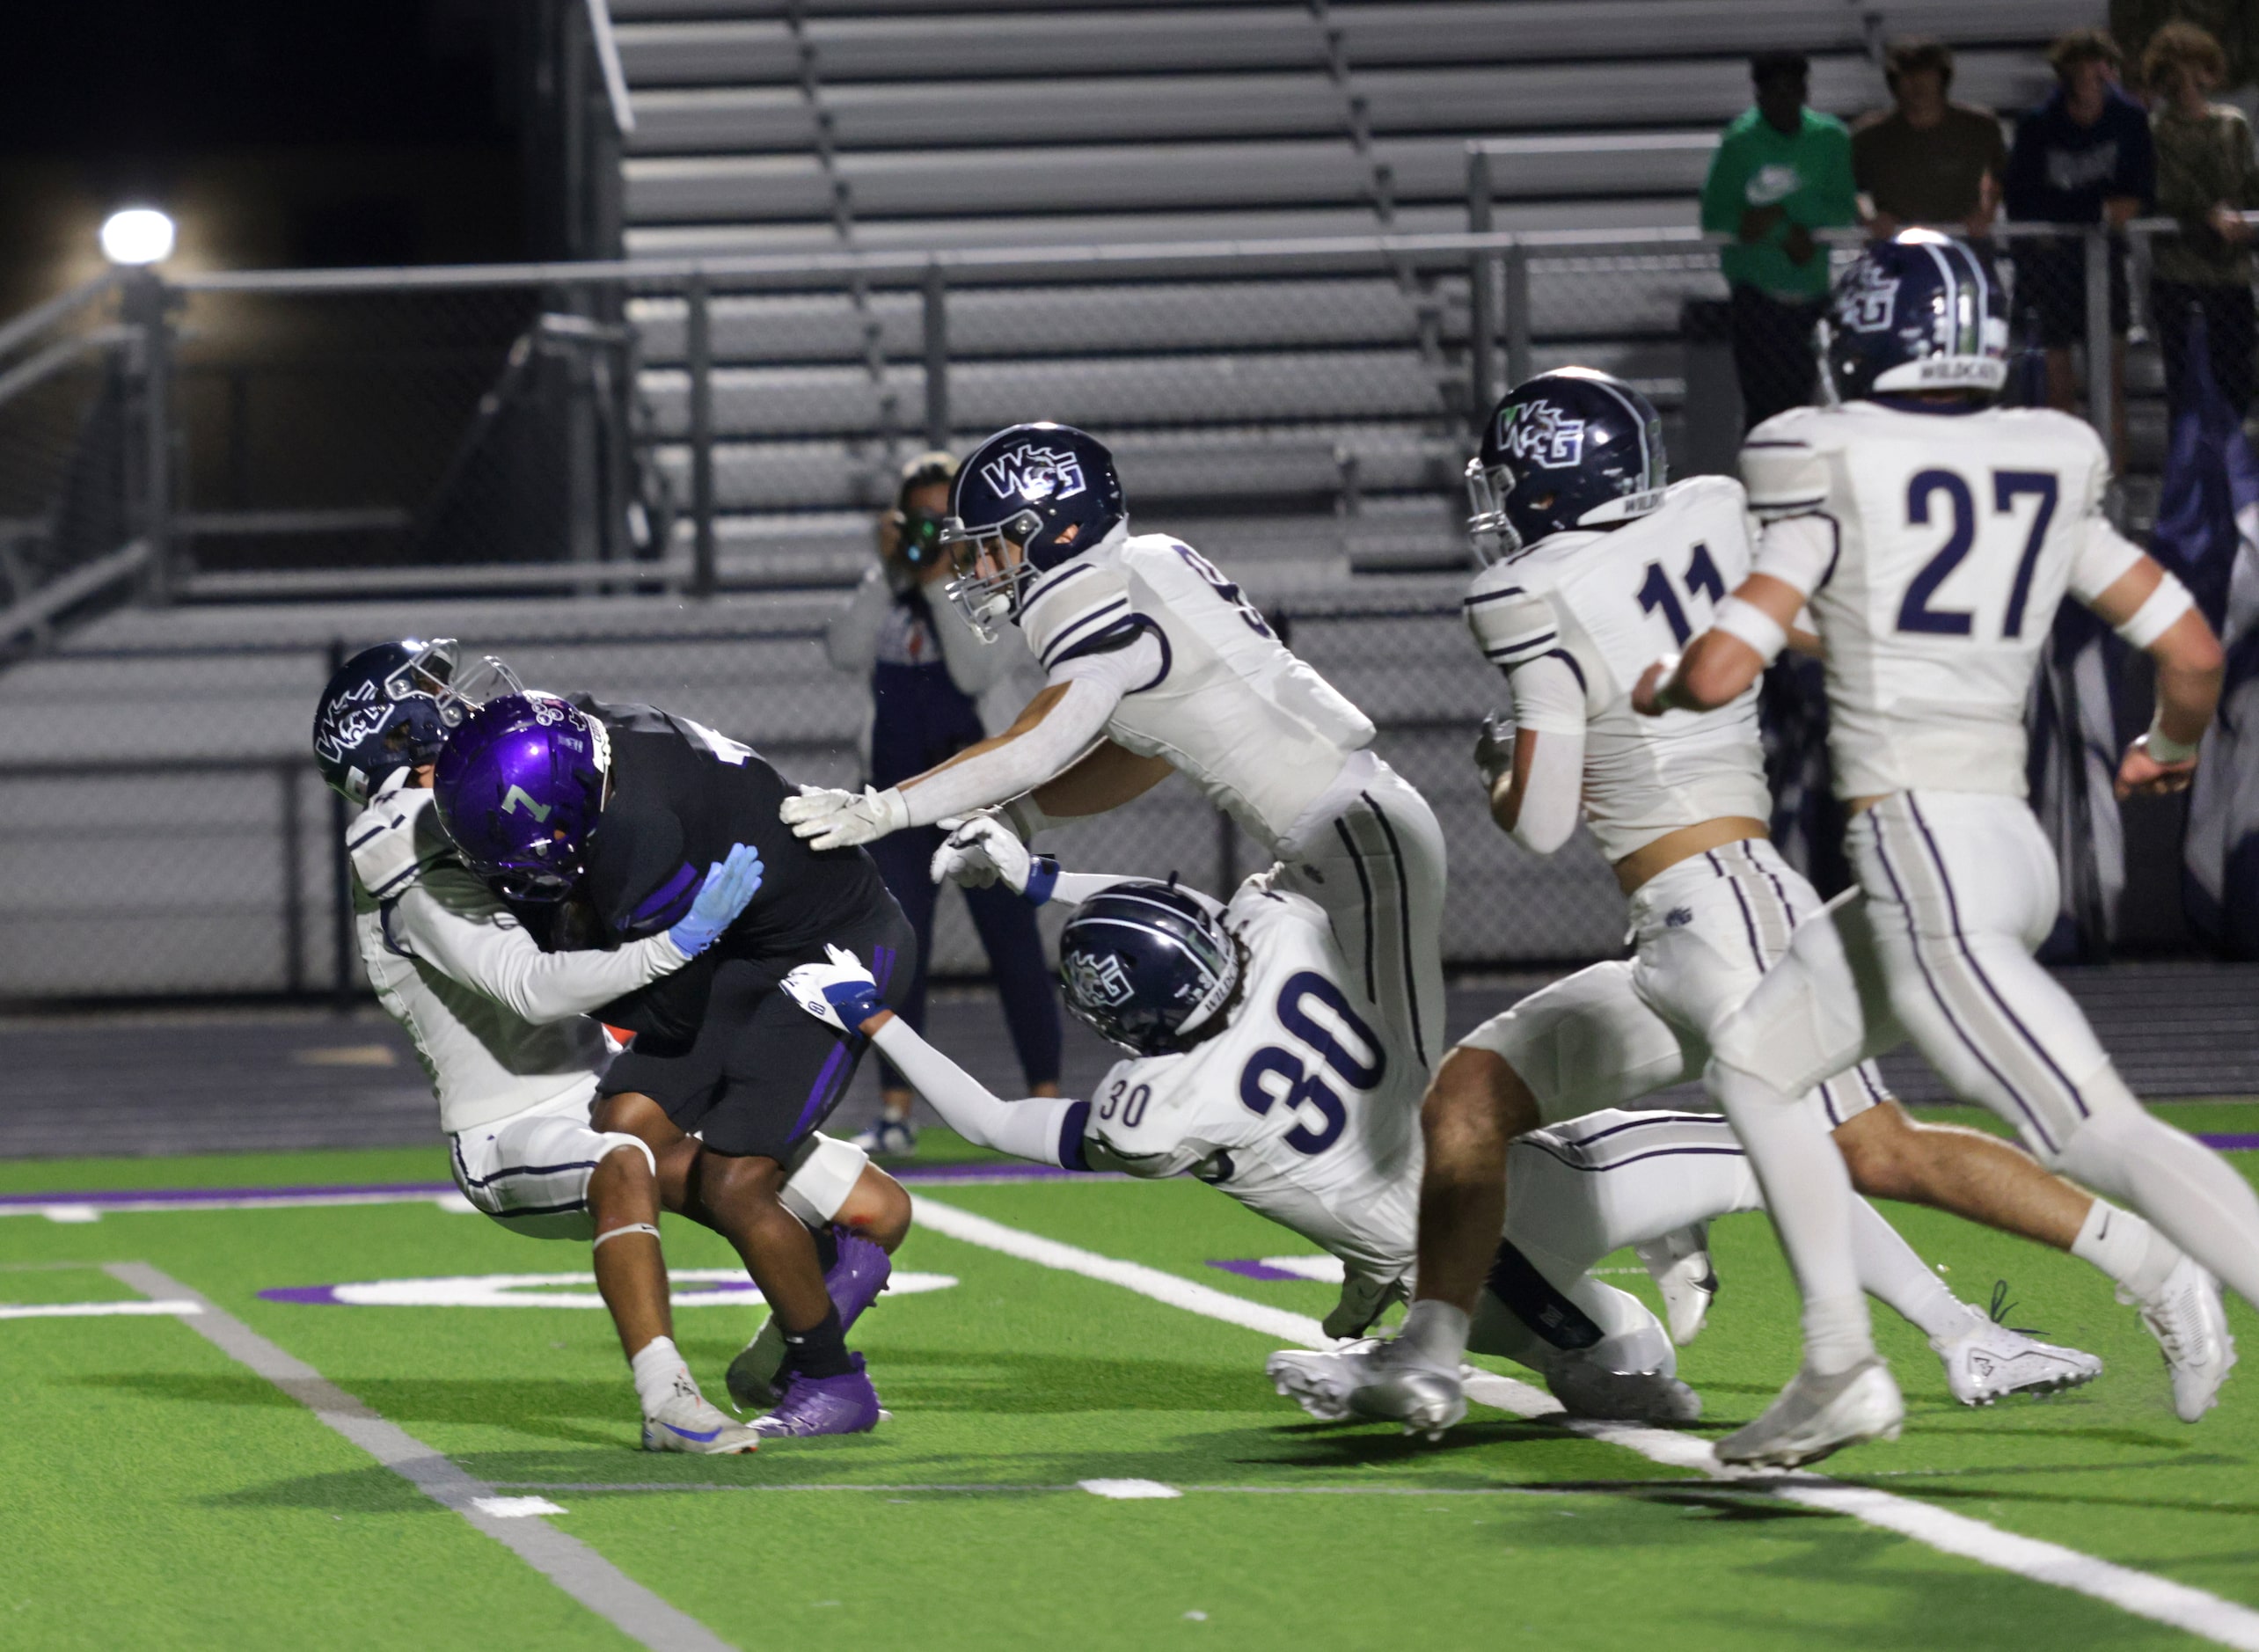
(158, 1492)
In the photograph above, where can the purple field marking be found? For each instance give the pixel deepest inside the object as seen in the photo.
(1249, 1268)
(321, 1295)
(2233, 1142)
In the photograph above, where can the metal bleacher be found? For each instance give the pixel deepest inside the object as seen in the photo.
(1333, 397)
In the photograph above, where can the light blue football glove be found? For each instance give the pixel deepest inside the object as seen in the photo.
(840, 994)
(729, 889)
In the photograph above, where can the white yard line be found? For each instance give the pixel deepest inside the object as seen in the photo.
(566, 1562)
(93, 1309)
(2140, 1593)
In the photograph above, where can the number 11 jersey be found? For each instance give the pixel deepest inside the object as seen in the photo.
(1934, 546)
(1306, 1107)
(1611, 603)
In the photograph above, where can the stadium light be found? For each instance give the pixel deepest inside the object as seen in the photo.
(138, 235)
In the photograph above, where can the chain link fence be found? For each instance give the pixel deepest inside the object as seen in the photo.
(637, 434)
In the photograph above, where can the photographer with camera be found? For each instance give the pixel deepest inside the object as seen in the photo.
(937, 688)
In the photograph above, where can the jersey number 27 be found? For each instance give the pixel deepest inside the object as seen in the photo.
(1924, 493)
(1273, 1074)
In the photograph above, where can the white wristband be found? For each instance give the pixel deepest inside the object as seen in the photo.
(1751, 624)
(2158, 612)
(2162, 746)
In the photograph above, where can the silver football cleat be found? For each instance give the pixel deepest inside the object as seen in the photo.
(1369, 1378)
(1988, 1361)
(2190, 1327)
(1815, 1415)
(1588, 1388)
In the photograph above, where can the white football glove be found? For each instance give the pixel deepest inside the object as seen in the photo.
(840, 994)
(830, 818)
(1494, 750)
(979, 849)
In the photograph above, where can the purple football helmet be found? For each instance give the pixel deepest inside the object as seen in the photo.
(519, 787)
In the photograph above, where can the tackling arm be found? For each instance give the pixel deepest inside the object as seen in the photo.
(486, 950)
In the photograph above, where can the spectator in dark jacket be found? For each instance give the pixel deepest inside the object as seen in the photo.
(935, 689)
(1926, 160)
(2083, 157)
(2207, 176)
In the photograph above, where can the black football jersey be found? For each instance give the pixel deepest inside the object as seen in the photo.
(680, 796)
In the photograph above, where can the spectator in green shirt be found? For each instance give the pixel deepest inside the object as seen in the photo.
(1781, 172)
(2206, 176)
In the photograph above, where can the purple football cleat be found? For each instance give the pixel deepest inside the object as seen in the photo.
(846, 1404)
(854, 1283)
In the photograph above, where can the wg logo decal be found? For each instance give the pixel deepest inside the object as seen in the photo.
(1867, 307)
(1536, 433)
(1032, 473)
(347, 720)
(1101, 980)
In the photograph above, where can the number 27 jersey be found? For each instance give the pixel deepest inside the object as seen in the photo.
(1305, 1108)
(1934, 548)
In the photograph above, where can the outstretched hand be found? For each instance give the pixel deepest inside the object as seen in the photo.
(730, 885)
(830, 818)
(979, 849)
(841, 993)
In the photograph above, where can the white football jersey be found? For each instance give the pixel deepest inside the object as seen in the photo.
(496, 1022)
(1305, 1108)
(1612, 602)
(1934, 548)
(1257, 730)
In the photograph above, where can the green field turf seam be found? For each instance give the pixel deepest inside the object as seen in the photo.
(566, 1562)
(2141, 1594)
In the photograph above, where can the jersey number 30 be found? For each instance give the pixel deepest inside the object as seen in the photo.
(1273, 1075)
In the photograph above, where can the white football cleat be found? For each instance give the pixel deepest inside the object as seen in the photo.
(2190, 1327)
(1815, 1415)
(1367, 1378)
(888, 1138)
(687, 1423)
(1679, 1264)
(1987, 1361)
(1588, 1388)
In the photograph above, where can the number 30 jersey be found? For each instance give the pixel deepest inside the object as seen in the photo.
(1612, 602)
(1253, 727)
(1305, 1108)
(1934, 548)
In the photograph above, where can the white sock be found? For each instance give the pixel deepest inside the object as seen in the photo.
(1901, 1280)
(2133, 1254)
(660, 1374)
(1807, 1192)
(1435, 1333)
(2190, 1194)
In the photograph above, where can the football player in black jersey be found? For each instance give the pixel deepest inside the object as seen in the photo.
(593, 820)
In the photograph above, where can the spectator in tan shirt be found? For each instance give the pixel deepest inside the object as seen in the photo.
(1926, 160)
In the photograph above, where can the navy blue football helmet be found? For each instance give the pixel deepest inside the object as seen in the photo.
(1921, 311)
(1024, 501)
(1147, 967)
(1569, 448)
(381, 713)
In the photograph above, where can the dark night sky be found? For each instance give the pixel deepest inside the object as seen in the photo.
(279, 132)
(114, 79)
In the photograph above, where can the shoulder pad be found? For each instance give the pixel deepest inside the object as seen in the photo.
(1708, 489)
(1510, 623)
(1070, 603)
(394, 840)
(1785, 467)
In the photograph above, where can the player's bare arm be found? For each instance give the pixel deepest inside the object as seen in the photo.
(2190, 668)
(1720, 665)
(1107, 776)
